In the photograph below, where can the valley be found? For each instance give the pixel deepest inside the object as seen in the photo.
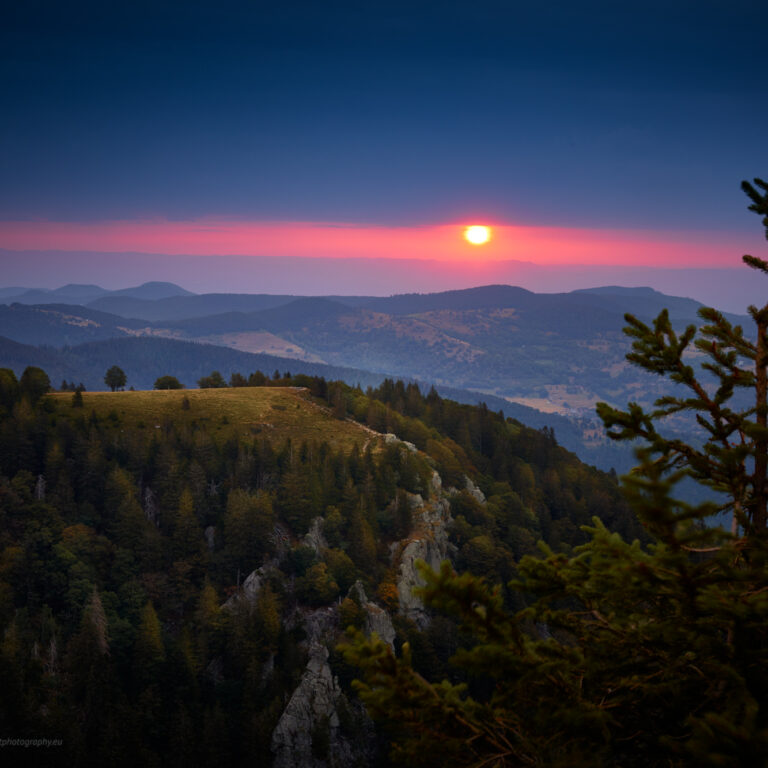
(544, 358)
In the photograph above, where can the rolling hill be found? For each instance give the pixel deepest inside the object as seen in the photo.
(558, 352)
(277, 413)
(552, 355)
(61, 324)
(84, 294)
(144, 359)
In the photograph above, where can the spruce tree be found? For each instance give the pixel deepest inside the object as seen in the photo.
(626, 654)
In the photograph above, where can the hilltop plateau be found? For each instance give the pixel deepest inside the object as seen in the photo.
(275, 413)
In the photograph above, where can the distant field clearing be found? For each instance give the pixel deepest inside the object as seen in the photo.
(278, 413)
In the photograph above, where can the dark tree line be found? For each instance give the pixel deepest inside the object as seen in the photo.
(119, 544)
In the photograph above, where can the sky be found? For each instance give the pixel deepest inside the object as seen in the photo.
(586, 134)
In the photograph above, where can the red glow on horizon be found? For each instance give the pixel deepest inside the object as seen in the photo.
(538, 245)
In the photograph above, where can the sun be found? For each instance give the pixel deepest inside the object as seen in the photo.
(477, 235)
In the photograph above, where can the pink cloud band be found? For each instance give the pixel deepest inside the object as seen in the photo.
(539, 245)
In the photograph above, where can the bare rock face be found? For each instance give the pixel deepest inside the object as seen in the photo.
(390, 438)
(150, 506)
(312, 707)
(320, 625)
(314, 537)
(310, 732)
(376, 618)
(415, 501)
(473, 490)
(249, 592)
(430, 545)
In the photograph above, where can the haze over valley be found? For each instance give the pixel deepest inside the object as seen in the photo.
(544, 358)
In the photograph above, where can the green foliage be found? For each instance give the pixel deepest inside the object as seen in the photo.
(168, 382)
(626, 654)
(341, 567)
(187, 539)
(759, 201)
(214, 381)
(115, 378)
(238, 380)
(317, 587)
(149, 651)
(34, 383)
(268, 619)
(248, 521)
(163, 513)
(9, 389)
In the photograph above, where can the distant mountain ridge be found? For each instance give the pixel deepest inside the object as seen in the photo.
(647, 301)
(73, 293)
(499, 339)
(555, 354)
(186, 306)
(61, 324)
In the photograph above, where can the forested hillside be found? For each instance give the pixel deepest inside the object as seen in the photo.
(177, 567)
(145, 359)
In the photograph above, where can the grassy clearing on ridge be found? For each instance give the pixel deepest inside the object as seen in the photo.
(278, 413)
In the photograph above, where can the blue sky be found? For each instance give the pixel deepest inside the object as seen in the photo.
(596, 114)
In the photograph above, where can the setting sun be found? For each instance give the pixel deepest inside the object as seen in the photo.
(477, 235)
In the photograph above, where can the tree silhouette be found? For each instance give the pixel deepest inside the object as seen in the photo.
(34, 383)
(115, 378)
(168, 382)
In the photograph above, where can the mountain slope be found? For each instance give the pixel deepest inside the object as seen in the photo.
(84, 294)
(182, 307)
(647, 303)
(199, 555)
(152, 291)
(61, 324)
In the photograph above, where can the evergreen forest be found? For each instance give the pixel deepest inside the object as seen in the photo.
(168, 571)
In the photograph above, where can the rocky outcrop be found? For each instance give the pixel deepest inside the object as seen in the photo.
(249, 591)
(473, 490)
(436, 484)
(315, 538)
(310, 732)
(376, 618)
(430, 544)
(390, 438)
(312, 708)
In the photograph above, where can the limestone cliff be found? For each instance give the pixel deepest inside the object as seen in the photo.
(311, 732)
(376, 618)
(428, 542)
(314, 537)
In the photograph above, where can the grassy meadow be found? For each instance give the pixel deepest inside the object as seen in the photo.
(278, 413)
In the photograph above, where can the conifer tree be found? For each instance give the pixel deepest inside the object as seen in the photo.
(149, 650)
(187, 540)
(9, 389)
(626, 655)
(89, 678)
(268, 619)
